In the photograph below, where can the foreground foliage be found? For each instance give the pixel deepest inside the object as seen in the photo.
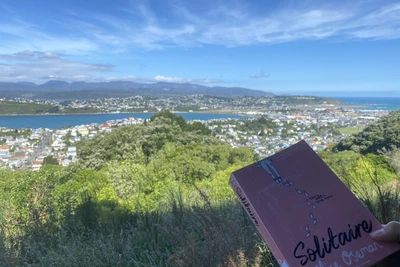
(154, 195)
(381, 135)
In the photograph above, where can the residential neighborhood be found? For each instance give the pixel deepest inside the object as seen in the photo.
(266, 132)
(188, 103)
(28, 148)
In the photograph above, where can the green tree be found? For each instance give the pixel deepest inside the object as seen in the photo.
(383, 134)
(50, 160)
(54, 109)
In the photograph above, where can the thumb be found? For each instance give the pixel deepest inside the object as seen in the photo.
(389, 232)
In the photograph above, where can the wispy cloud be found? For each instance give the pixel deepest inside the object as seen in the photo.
(230, 27)
(48, 48)
(20, 35)
(160, 78)
(142, 26)
(260, 75)
(39, 67)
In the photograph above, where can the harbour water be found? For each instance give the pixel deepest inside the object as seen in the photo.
(58, 121)
(372, 103)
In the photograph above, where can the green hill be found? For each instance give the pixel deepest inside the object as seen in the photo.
(381, 135)
(155, 194)
(15, 108)
(149, 195)
(9, 108)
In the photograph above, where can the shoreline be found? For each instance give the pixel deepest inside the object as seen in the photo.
(57, 121)
(233, 112)
(110, 113)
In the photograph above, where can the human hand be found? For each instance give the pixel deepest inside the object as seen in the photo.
(390, 233)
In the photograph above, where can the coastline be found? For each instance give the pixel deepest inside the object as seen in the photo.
(64, 114)
(114, 113)
(233, 112)
(60, 121)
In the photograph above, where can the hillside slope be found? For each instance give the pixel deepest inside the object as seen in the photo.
(380, 135)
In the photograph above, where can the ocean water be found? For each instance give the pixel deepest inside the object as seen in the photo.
(58, 121)
(372, 103)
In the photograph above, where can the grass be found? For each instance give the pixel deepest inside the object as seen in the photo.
(206, 234)
(7, 107)
(350, 130)
(201, 235)
(185, 232)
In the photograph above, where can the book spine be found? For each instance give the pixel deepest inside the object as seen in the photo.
(257, 222)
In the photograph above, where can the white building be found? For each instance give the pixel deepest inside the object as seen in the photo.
(72, 151)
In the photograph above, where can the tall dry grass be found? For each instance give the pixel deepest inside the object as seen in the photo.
(183, 233)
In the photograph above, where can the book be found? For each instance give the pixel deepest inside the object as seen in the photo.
(306, 214)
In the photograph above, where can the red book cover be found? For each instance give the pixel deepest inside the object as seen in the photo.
(305, 214)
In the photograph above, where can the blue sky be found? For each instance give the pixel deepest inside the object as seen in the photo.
(279, 46)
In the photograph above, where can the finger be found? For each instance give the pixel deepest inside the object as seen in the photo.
(389, 232)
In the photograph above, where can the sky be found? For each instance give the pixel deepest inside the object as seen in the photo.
(279, 46)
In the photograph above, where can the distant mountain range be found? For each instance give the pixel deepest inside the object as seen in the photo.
(55, 89)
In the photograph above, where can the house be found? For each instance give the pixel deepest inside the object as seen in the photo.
(4, 153)
(83, 130)
(58, 145)
(5, 148)
(16, 163)
(65, 162)
(19, 155)
(35, 136)
(71, 151)
(36, 165)
(59, 159)
(105, 126)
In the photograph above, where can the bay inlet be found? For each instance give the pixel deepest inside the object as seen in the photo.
(58, 121)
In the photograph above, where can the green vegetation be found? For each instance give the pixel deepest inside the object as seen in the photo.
(15, 108)
(258, 125)
(305, 100)
(371, 178)
(154, 195)
(50, 160)
(133, 110)
(15, 133)
(9, 108)
(381, 135)
(349, 130)
(188, 108)
(369, 163)
(79, 110)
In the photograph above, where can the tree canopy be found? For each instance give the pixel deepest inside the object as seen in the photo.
(145, 193)
(50, 160)
(383, 134)
(155, 194)
(140, 142)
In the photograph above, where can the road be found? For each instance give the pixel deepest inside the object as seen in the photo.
(37, 151)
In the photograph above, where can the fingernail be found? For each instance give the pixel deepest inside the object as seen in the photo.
(377, 233)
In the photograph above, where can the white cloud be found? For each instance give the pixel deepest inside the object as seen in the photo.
(142, 26)
(43, 66)
(39, 67)
(259, 75)
(129, 78)
(30, 48)
(21, 35)
(160, 78)
(232, 27)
